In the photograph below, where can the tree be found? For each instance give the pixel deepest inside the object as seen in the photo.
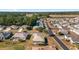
(17, 18)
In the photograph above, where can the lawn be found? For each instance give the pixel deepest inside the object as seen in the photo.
(9, 45)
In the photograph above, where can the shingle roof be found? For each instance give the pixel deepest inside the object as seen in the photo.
(37, 37)
(20, 34)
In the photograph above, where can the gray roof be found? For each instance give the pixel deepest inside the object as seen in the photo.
(20, 35)
(2, 37)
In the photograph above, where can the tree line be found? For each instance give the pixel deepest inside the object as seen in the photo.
(17, 18)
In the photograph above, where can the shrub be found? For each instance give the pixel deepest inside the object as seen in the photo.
(28, 37)
(1, 40)
(22, 40)
(40, 29)
(60, 33)
(45, 31)
(68, 40)
(29, 28)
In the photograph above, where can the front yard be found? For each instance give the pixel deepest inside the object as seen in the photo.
(9, 45)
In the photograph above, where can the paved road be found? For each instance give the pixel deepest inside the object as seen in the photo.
(57, 39)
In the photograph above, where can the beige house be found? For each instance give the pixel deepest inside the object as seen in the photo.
(37, 39)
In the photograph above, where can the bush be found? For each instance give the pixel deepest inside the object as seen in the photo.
(68, 40)
(1, 40)
(46, 41)
(29, 28)
(22, 40)
(45, 31)
(60, 33)
(29, 36)
(40, 29)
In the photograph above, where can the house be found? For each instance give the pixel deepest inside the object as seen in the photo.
(67, 37)
(75, 37)
(7, 35)
(14, 27)
(19, 36)
(37, 39)
(40, 23)
(20, 29)
(1, 28)
(29, 14)
(7, 29)
(62, 31)
(2, 37)
(24, 26)
(35, 27)
(61, 37)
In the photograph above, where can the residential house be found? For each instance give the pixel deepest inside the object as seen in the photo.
(24, 26)
(20, 29)
(14, 27)
(7, 35)
(2, 37)
(7, 29)
(19, 36)
(37, 39)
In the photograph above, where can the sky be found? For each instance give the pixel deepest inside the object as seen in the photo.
(54, 5)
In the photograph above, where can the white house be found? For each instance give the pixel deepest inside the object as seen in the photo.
(7, 29)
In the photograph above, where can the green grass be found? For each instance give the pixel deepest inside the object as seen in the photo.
(19, 47)
(77, 45)
(9, 45)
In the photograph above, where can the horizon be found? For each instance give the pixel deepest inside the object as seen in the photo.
(39, 10)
